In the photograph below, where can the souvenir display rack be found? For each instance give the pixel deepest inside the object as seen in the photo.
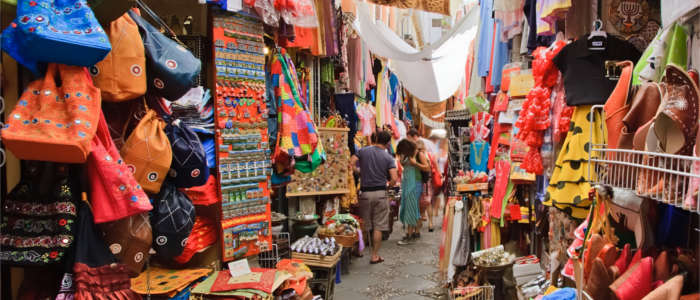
(622, 168)
(458, 143)
(330, 178)
(242, 137)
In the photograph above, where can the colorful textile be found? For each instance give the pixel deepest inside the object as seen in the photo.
(569, 186)
(266, 280)
(383, 103)
(297, 132)
(165, 281)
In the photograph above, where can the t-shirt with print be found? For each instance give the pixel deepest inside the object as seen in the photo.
(375, 163)
(583, 70)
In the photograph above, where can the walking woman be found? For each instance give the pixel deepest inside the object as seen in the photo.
(411, 189)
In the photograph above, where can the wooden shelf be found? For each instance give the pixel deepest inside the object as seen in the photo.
(319, 193)
(341, 129)
(472, 187)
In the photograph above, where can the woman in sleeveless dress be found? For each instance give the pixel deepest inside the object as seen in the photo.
(411, 189)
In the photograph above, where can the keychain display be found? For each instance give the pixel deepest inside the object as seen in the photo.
(242, 138)
(330, 177)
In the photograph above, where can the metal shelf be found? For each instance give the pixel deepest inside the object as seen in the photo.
(665, 178)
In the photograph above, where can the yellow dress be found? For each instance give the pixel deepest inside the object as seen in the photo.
(568, 187)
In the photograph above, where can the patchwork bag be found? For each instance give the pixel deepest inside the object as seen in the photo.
(172, 221)
(39, 215)
(121, 74)
(58, 31)
(114, 193)
(189, 166)
(172, 68)
(147, 152)
(297, 137)
(55, 123)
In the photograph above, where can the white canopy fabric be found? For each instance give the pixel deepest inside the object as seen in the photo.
(432, 74)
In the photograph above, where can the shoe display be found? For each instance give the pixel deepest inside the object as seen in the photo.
(598, 285)
(671, 289)
(635, 283)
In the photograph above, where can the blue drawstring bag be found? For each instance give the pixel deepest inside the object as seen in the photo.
(172, 69)
(59, 31)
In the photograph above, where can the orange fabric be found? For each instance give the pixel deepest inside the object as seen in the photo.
(147, 152)
(348, 6)
(304, 38)
(617, 107)
(121, 75)
(52, 123)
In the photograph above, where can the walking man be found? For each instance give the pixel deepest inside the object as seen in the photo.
(376, 167)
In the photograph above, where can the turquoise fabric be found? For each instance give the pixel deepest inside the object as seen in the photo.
(411, 189)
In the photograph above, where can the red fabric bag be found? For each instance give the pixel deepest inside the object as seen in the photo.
(114, 193)
(436, 176)
(203, 194)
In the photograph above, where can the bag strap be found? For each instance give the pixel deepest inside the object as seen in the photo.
(159, 21)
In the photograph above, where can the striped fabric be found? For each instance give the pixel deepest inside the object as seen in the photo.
(411, 189)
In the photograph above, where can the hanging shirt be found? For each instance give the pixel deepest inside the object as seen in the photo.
(583, 69)
(500, 57)
(479, 156)
(485, 37)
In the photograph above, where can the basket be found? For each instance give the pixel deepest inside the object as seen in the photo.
(316, 260)
(472, 293)
(347, 241)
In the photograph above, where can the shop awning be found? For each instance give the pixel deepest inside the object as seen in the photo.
(432, 74)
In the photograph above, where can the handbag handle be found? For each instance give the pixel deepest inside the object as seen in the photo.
(159, 21)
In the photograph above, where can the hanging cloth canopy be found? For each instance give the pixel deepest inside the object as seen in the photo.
(432, 74)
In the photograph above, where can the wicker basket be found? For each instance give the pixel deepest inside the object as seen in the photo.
(347, 241)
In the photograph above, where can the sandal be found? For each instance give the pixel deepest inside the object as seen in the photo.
(379, 261)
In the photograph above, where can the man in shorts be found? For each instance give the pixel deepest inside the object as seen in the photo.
(376, 167)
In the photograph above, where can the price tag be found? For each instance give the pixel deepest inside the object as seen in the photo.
(234, 5)
(239, 267)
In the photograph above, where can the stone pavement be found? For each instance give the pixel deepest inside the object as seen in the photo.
(408, 272)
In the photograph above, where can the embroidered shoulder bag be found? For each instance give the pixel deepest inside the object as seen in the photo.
(55, 123)
(39, 215)
(57, 31)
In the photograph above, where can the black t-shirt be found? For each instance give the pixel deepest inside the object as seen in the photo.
(584, 69)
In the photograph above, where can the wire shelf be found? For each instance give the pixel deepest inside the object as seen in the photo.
(666, 178)
(484, 292)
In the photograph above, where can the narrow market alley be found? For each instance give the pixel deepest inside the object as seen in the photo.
(261, 149)
(408, 272)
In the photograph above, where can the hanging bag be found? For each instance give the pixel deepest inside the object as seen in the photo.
(96, 272)
(297, 137)
(189, 166)
(172, 221)
(172, 68)
(57, 31)
(147, 152)
(114, 193)
(39, 216)
(55, 123)
(121, 75)
(130, 240)
(436, 177)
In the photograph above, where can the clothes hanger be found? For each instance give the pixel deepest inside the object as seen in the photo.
(597, 37)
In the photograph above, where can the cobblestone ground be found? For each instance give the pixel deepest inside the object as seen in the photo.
(408, 272)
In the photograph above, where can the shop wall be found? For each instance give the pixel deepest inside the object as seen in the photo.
(10, 92)
(112, 9)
